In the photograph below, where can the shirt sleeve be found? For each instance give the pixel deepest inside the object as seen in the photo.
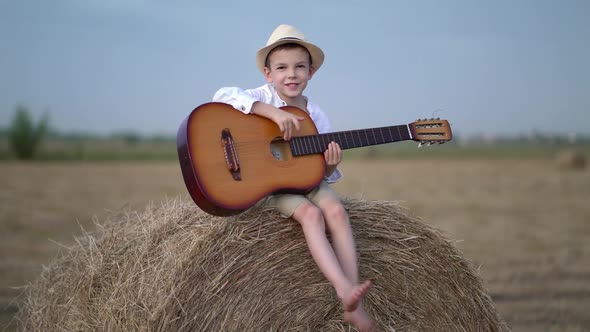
(241, 100)
(334, 177)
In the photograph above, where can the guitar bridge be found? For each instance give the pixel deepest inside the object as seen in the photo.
(231, 156)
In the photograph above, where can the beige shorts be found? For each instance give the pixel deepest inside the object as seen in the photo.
(287, 203)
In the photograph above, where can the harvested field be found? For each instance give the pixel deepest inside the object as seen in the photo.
(524, 224)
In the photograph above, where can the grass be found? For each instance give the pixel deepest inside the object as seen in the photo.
(95, 149)
(500, 151)
(109, 149)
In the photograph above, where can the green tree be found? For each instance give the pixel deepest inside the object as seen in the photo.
(24, 136)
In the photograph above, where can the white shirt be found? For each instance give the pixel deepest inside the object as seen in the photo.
(242, 100)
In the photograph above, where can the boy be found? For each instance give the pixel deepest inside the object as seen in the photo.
(288, 62)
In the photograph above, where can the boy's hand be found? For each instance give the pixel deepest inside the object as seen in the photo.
(333, 156)
(284, 120)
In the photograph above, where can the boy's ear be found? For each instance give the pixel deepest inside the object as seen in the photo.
(267, 75)
(311, 71)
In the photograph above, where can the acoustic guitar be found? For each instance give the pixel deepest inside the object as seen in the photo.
(231, 160)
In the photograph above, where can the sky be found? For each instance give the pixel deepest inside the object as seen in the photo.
(489, 67)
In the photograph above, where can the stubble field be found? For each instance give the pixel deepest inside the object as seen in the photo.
(525, 224)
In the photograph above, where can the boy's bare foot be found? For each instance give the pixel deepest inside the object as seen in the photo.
(352, 300)
(360, 320)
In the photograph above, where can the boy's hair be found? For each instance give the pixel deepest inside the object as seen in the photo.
(288, 46)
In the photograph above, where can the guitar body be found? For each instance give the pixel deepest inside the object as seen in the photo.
(230, 160)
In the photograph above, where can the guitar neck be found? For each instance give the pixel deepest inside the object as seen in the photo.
(311, 144)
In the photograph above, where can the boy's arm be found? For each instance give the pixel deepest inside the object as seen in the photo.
(285, 120)
(256, 101)
(333, 156)
(323, 125)
(330, 170)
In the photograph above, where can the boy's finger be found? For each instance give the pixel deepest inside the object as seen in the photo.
(332, 153)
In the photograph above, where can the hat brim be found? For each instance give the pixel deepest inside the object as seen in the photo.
(317, 55)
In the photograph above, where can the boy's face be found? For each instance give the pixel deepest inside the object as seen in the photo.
(289, 71)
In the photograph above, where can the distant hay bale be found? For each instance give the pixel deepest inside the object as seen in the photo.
(175, 268)
(370, 153)
(571, 159)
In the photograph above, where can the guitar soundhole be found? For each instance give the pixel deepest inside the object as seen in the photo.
(280, 150)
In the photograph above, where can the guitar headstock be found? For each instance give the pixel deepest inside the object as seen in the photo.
(430, 131)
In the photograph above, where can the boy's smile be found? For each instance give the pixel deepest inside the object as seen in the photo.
(290, 70)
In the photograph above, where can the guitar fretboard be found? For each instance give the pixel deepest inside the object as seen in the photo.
(310, 144)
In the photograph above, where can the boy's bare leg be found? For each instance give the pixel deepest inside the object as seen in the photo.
(311, 219)
(342, 238)
(345, 249)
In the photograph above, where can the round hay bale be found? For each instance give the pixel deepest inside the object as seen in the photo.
(176, 268)
(571, 159)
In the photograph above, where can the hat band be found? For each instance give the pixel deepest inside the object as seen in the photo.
(290, 38)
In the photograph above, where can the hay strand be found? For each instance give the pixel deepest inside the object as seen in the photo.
(175, 268)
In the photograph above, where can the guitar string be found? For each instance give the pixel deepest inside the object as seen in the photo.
(371, 140)
(348, 136)
(310, 144)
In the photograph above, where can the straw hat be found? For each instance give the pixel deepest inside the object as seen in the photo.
(285, 34)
